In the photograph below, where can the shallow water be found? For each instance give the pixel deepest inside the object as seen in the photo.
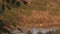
(43, 31)
(35, 30)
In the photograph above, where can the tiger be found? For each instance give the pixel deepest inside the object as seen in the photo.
(11, 3)
(8, 28)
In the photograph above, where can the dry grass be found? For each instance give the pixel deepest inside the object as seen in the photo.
(38, 13)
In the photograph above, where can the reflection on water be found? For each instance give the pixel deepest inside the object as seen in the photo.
(43, 31)
(36, 31)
